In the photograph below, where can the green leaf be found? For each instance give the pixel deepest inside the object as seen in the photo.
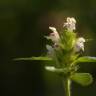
(82, 78)
(86, 59)
(56, 70)
(35, 58)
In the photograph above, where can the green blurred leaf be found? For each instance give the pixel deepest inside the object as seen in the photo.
(56, 70)
(35, 58)
(86, 59)
(82, 78)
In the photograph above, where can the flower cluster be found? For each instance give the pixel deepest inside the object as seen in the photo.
(65, 38)
(64, 51)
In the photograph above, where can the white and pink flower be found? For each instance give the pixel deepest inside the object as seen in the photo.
(54, 36)
(79, 44)
(70, 24)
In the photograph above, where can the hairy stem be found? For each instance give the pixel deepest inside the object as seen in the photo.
(67, 86)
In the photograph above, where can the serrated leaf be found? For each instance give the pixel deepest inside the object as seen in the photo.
(83, 79)
(86, 59)
(34, 58)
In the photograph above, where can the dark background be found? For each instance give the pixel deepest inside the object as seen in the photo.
(23, 24)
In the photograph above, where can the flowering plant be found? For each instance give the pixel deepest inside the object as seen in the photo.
(64, 51)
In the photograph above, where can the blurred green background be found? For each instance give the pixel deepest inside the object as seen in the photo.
(23, 24)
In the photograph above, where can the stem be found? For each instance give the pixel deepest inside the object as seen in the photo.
(67, 86)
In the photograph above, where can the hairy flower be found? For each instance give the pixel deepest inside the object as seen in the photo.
(70, 24)
(79, 44)
(54, 36)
